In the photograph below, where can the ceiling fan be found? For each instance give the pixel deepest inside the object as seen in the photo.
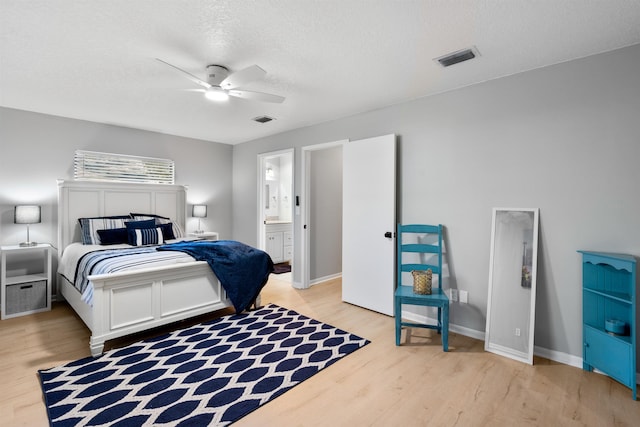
(221, 84)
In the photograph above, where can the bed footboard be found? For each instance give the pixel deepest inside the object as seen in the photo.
(130, 302)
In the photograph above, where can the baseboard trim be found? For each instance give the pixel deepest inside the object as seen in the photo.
(553, 355)
(558, 356)
(324, 279)
(462, 330)
(298, 285)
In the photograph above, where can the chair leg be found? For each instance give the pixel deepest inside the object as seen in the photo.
(445, 327)
(398, 316)
(439, 320)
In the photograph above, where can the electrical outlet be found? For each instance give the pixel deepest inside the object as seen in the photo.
(464, 297)
(517, 332)
(454, 294)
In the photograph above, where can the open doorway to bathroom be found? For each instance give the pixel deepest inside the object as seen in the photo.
(275, 209)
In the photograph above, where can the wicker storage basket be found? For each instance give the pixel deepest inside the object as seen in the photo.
(422, 281)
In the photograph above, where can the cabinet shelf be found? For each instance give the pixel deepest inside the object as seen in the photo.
(617, 296)
(26, 278)
(624, 338)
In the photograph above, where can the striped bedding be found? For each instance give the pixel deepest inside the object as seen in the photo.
(88, 260)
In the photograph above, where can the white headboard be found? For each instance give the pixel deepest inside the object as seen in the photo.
(82, 199)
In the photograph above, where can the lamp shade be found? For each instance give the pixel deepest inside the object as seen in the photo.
(199, 211)
(26, 214)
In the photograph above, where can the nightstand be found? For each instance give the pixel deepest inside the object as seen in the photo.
(24, 293)
(205, 235)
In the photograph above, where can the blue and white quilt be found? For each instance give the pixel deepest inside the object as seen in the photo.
(122, 259)
(241, 269)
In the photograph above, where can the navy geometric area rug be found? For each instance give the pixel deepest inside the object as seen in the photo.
(213, 373)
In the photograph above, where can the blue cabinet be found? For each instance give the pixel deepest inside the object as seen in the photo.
(609, 315)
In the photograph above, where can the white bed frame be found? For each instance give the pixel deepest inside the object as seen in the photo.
(129, 302)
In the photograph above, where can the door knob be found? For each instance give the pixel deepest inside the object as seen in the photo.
(388, 235)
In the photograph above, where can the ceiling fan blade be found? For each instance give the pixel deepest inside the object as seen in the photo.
(187, 75)
(256, 96)
(243, 77)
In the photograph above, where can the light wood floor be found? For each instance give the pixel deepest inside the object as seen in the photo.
(415, 384)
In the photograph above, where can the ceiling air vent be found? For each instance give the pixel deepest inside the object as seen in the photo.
(456, 57)
(263, 119)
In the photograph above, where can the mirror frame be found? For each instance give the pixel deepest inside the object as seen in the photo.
(498, 338)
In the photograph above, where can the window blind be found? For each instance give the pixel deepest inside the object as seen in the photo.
(91, 165)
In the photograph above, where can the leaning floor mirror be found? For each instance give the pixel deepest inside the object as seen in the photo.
(512, 283)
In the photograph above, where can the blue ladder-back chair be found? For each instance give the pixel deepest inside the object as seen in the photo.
(421, 252)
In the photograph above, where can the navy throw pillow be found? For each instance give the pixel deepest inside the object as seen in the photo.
(113, 236)
(150, 223)
(167, 231)
(145, 236)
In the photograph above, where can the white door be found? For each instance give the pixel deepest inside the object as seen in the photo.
(368, 223)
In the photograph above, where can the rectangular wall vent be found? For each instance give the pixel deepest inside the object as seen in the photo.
(457, 57)
(262, 119)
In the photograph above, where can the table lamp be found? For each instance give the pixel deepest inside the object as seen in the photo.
(199, 211)
(27, 214)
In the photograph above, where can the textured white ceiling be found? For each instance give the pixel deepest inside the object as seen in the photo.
(94, 60)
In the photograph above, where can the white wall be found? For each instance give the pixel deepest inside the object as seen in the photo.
(325, 228)
(37, 149)
(565, 139)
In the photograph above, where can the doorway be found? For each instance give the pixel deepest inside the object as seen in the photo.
(275, 209)
(320, 227)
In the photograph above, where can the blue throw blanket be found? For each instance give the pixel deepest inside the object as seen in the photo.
(242, 270)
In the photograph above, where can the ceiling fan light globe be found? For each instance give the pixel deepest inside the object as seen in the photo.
(216, 94)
